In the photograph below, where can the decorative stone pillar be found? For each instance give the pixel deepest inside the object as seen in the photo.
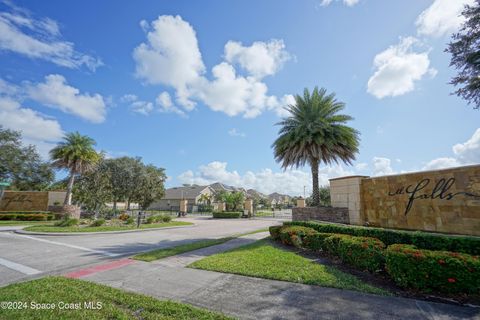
(183, 205)
(248, 206)
(345, 192)
(300, 203)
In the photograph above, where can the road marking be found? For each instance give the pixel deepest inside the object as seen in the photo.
(105, 253)
(18, 267)
(99, 268)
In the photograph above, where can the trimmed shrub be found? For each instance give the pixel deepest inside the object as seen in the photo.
(151, 219)
(226, 215)
(130, 220)
(97, 223)
(294, 235)
(166, 218)
(8, 216)
(67, 223)
(429, 270)
(362, 252)
(315, 241)
(25, 212)
(423, 240)
(275, 232)
(330, 244)
(32, 217)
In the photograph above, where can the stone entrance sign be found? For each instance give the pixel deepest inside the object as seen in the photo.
(24, 201)
(442, 200)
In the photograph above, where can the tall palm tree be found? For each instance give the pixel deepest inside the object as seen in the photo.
(76, 154)
(314, 132)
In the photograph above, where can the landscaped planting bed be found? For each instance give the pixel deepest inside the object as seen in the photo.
(423, 240)
(227, 215)
(408, 266)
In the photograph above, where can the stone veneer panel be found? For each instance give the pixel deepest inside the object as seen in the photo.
(24, 201)
(441, 201)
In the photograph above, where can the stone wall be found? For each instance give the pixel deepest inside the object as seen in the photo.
(24, 201)
(441, 201)
(329, 214)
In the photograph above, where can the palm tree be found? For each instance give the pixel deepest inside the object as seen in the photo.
(76, 154)
(315, 132)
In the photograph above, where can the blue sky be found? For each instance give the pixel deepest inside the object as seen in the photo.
(197, 86)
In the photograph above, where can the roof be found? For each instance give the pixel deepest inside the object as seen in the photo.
(186, 192)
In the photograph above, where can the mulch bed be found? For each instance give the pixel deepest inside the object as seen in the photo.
(382, 280)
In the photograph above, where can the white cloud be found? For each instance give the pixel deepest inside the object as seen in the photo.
(40, 39)
(464, 154)
(164, 101)
(361, 166)
(469, 151)
(260, 59)
(442, 17)
(142, 107)
(171, 57)
(235, 133)
(398, 68)
(36, 128)
(441, 163)
(266, 181)
(382, 166)
(349, 3)
(56, 93)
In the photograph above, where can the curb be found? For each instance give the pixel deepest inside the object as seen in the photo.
(93, 233)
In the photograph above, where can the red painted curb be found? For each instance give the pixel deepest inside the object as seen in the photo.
(99, 268)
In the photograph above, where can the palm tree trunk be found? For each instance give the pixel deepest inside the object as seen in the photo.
(315, 188)
(68, 196)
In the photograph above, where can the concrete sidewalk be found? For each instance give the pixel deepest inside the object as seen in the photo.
(253, 298)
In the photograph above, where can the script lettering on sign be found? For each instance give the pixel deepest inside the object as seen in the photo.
(441, 190)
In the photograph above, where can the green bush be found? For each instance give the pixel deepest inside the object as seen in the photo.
(97, 223)
(25, 212)
(275, 232)
(294, 235)
(151, 219)
(166, 218)
(8, 216)
(130, 220)
(32, 217)
(330, 244)
(429, 270)
(226, 215)
(67, 223)
(423, 240)
(315, 241)
(362, 252)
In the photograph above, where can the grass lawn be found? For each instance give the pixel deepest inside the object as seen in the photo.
(115, 303)
(52, 228)
(167, 252)
(23, 223)
(263, 260)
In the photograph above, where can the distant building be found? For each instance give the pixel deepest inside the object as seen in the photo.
(172, 197)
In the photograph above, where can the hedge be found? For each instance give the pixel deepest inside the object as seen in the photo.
(275, 232)
(315, 242)
(423, 240)
(25, 212)
(227, 215)
(429, 270)
(295, 235)
(27, 217)
(362, 252)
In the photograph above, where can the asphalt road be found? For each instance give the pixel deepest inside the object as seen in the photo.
(29, 256)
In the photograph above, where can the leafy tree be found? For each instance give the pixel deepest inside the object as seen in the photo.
(150, 186)
(22, 165)
(325, 196)
(76, 154)
(93, 189)
(315, 132)
(205, 198)
(465, 50)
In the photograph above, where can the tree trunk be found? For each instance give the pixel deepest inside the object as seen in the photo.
(315, 188)
(128, 204)
(68, 196)
(115, 204)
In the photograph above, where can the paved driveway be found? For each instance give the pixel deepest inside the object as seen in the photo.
(28, 256)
